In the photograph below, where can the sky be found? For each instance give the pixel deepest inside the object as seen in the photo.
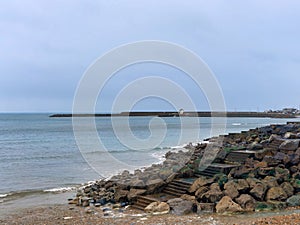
(252, 47)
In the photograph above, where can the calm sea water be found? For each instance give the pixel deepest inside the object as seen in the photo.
(38, 153)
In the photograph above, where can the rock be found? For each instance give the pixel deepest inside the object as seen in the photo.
(200, 192)
(278, 205)
(120, 195)
(289, 145)
(270, 181)
(226, 205)
(85, 203)
(246, 202)
(287, 188)
(88, 210)
(154, 184)
(293, 200)
(73, 201)
(276, 193)
(279, 156)
(231, 189)
(137, 183)
(215, 187)
(282, 174)
(242, 185)
(255, 146)
(151, 207)
(252, 181)
(162, 208)
(290, 135)
(201, 181)
(188, 197)
(133, 193)
(296, 184)
(205, 208)
(260, 164)
(179, 206)
(266, 171)
(212, 196)
(241, 172)
(165, 173)
(271, 161)
(263, 206)
(258, 191)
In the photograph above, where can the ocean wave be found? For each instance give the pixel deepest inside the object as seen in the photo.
(236, 124)
(133, 150)
(3, 195)
(60, 189)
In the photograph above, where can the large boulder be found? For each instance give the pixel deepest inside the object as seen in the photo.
(162, 208)
(231, 189)
(201, 181)
(137, 183)
(293, 200)
(213, 195)
(133, 193)
(289, 145)
(276, 193)
(246, 202)
(270, 181)
(151, 207)
(258, 191)
(282, 174)
(154, 184)
(242, 185)
(287, 188)
(120, 195)
(226, 205)
(165, 173)
(200, 192)
(180, 206)
(290, 135)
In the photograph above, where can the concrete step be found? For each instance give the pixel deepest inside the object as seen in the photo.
(175, 190)
(173, 193)
(174, 186)
(134, 206)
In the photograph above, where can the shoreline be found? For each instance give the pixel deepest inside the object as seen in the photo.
(55, 203)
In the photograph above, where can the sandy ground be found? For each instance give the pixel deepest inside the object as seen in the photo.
(66, 214)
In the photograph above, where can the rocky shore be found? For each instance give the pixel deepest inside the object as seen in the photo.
(267, 179)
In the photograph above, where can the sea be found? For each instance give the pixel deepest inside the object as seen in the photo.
(40, 155)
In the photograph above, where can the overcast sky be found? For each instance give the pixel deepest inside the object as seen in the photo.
(252, 47)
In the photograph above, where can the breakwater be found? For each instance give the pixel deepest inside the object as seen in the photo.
(185, 114)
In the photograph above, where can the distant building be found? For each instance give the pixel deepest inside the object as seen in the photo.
(284, 111)
(290, 111)
(181, 112)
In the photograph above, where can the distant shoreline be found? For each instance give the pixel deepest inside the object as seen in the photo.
(185, 114)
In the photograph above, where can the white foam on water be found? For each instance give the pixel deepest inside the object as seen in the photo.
(60, 189)
(3, 195)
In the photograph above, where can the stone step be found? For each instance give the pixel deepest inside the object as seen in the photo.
(142, 202)
(134, 206)
(173, 193)
(175, 190)
(174, 186)
(179, 184)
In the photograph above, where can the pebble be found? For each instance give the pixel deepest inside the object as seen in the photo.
(68, 217)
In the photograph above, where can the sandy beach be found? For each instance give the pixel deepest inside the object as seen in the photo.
(64, 214)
